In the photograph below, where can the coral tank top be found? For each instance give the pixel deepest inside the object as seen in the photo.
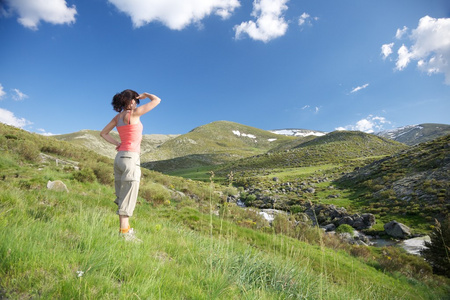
(130, 135)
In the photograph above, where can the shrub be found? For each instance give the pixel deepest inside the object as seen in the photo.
(296, 209)
(437, 251)
(230, 191)
(282, 224)
(360, 251)
(27, 150)
(85, 175)
(249, 199)
(103, 173)
(153, 192)
(395, 259)
(345, 228)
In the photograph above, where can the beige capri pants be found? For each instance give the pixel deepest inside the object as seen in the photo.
(127, 174)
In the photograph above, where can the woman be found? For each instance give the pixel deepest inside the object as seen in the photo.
(127, 170)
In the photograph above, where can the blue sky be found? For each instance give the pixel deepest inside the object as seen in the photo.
(271, 64)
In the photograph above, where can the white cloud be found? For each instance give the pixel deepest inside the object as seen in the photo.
(359, 88)
(175, 14)
(306, 106)
(269, 24)
(386, 50)
(317, 109)
(9, 118)
(401, 32)
(2, 92)
(18, 95)
(32, 12)
(369, 125)
(44, 132)
(430, 47)
(403, 58)
(305, 19)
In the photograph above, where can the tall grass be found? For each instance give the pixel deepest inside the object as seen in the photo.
(59, 245)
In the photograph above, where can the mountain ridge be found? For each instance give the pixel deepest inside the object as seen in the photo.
(416, 134)
(221, 142)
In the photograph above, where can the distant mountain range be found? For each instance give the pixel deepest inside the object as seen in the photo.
(416, 134)
(224, 142)
(409, 135)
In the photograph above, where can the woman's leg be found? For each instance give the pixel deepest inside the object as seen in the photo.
(124, 223)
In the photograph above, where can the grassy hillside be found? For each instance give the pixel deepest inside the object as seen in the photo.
(64, 245)
(335, 147)
(212, 144)
(91, 139)
(413, 183)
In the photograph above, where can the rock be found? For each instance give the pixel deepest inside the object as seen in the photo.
(358, 223)
(397, 230)
(368, 219)
(329, 227)
(310, 190)
(303, 218)
(333, 196)
(346, 220)
(57, 185)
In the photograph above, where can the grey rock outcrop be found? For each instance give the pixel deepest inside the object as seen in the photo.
(330, 214)
(397, 230)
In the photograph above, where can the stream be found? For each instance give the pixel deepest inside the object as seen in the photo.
(412, 246)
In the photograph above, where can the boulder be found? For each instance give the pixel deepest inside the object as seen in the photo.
(358, 222)
(368, 219)
(329, 227)
(346, 220)
(310, 190)
(57, 185)
(397, 230)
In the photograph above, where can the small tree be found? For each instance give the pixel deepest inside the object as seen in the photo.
(437, 251)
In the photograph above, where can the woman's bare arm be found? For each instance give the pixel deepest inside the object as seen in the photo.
(145, 108)
(105, 132)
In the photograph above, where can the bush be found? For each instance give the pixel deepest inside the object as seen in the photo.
(85, 175)
(395, 259)
(345, 228)
(437, 252)
(104, 173)
(27, 150)
(282, 224)
(155, 193)
(230, 191)
(249, 199)
(296, 209)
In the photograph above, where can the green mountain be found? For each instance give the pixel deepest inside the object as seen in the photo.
(416, 134)
(65, 244)
(212, 144)
(335, 147)
(91, 139)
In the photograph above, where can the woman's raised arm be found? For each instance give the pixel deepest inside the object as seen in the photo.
(145, 108)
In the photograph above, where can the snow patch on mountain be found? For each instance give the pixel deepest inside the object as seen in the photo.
(238, 133)
(298, 132)
(398, 132)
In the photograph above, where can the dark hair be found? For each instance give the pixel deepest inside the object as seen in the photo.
(122, 100)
